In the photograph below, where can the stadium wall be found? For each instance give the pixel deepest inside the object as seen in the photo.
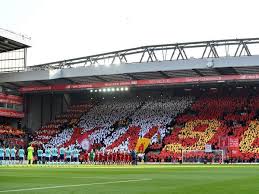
(42, 108)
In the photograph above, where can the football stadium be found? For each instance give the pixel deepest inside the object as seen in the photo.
(170, 118)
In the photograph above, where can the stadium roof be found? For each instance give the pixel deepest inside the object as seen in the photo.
(10, 41)
(194, 59)
(164, 52)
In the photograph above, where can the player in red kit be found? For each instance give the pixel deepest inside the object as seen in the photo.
(114, 157)
(105, 157)
(86, 157)
(122, 155)
(127, 158)
(109, 157)
(101, 157)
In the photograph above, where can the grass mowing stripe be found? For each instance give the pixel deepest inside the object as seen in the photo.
(87, 177)
(78, 185)
(165, 180)
(75, 177)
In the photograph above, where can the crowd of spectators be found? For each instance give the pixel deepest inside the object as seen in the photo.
(171, 123)
(114, 136)
(61, 138)
(11, 136)
(117, 124)
(69, 119)
(149, 121)
(213, 118)
(107, 113)
(159, 112)
(98, 136)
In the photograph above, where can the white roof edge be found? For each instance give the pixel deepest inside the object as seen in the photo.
(26, 40)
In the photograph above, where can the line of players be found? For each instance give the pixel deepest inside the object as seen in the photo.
(9, 155)
(76, 156)
(64, 155)
(48, 156)
(106, 157)
(57, 156)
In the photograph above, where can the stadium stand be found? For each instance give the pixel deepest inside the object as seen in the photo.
(118, 124)
(213, 117)
(49, 132)
(172, 124)
(152, 118)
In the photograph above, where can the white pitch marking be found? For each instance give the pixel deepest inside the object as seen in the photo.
(78, 185)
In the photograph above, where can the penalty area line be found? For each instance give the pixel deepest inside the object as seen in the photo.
(77, 185)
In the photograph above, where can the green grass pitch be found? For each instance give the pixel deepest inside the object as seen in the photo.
(144, 179)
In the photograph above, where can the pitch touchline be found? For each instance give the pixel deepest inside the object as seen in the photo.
(78, 185)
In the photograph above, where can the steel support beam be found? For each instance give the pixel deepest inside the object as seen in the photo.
(178, 51)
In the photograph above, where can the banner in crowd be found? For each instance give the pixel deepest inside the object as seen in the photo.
(171, 81)
(208, 148)
(142, 145)
(83, 140)
(233, 142)
(235, 152)
(223, 142)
